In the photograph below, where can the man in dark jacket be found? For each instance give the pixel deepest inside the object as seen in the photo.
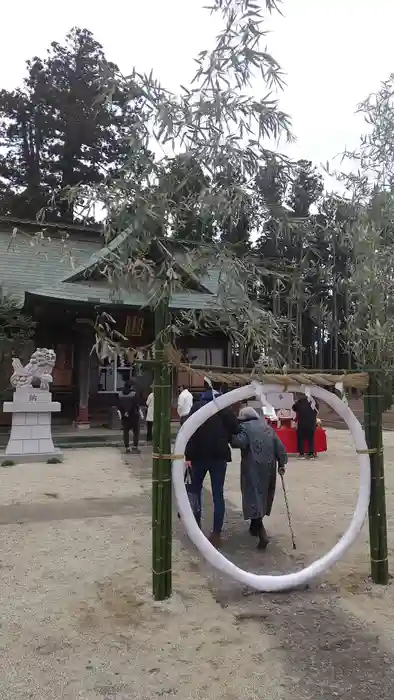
(306, 411)
(208, 451)
(129, 402)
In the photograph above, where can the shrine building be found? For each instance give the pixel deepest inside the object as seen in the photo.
(56, 282)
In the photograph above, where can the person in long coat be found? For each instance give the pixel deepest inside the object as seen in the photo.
(261, 451)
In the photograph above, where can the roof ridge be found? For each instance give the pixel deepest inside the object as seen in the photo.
(49, 224)
(115, 243)
(96, 257)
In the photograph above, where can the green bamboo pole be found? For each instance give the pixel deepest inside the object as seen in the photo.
(373, 405)
(161, 465)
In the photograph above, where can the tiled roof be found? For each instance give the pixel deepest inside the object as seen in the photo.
(99, 294)
(25, 267)
(211, 280)
(39, 269)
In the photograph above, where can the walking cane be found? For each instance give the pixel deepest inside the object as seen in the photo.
(288, 512)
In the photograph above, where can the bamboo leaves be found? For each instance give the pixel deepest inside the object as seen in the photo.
(371, 294)
(213, 130)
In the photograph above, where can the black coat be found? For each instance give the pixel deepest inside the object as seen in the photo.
(129, 404)
(211, 440)
(306, 415)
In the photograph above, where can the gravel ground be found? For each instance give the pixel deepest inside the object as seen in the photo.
(78, 620)
(88, 473)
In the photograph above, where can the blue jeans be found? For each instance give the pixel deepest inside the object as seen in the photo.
(217, 473)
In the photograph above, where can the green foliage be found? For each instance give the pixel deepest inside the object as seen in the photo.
(362, 225)
(185, 178)
(197, 179)
(53, 460)
(293, 249)
(55, 132)
(213, 125)
(7, 463)
(16, 335)
(16, 328)
(375, 155)
(212, 137)
(371, 286)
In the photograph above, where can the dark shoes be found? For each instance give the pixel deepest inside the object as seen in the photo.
(257, 529)
(254, 527)
(216, 540)
(263, 538)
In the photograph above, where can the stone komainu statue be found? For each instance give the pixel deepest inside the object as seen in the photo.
(38, 369)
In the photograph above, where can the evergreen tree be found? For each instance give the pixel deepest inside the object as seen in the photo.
(57, 131)
(16, 334)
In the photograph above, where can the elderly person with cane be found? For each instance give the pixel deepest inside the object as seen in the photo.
(261, 450)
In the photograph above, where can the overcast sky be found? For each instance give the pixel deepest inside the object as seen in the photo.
(334, 52)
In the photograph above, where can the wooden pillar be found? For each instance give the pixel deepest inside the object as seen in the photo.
(228, 360)
(85, 342)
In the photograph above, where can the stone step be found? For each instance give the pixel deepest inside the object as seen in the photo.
(86, 438)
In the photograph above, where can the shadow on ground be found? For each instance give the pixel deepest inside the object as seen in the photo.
(326, 652)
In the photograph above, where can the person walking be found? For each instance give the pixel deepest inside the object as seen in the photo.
(306, 410)
(208, 451)
(149, 416)
(129, 402)
(185, 403)
(261, 451)
(209, 391)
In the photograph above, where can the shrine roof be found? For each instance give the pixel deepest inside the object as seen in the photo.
(99, 294)
(47, 269)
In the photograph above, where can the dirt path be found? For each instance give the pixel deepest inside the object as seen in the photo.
(72, 510)
(78, 621)
(326, 650)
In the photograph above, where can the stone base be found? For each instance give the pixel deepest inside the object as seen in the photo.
(83, 426)
(31, 433)
(30, 458)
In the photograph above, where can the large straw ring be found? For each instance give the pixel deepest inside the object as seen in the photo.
(265, 582)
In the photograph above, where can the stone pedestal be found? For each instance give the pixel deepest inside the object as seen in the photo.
(31, 431)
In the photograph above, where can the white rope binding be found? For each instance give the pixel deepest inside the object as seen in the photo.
(340, 388)
(309, 396)
(261, 396)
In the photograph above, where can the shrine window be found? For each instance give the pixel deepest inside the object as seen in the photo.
(113, 374)
(134, 326)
